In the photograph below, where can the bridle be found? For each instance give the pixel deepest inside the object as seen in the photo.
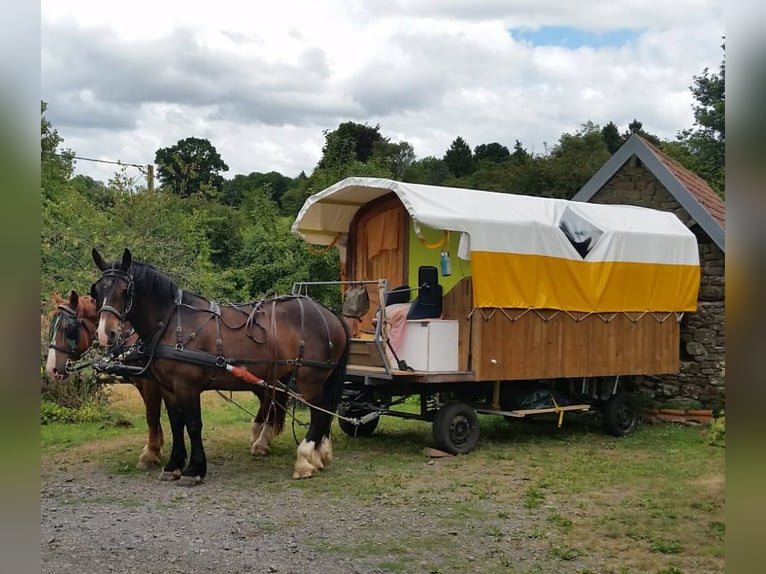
(72, 327)
(129, 295)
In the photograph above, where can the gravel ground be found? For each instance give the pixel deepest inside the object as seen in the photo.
(94, 522)
(98, 523)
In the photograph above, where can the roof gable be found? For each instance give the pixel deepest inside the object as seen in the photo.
(690, 190)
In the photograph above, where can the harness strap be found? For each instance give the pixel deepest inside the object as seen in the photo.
(327, 331)
(179, 330)
(215, 309)
(202, 358)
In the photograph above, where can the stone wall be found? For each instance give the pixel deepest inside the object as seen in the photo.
(702, 353)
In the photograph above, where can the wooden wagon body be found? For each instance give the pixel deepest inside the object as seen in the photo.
(531, 289)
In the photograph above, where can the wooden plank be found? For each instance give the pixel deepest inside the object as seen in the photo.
(515, 344)
(365, 352)
(524, 412)
(519, 413)
(412, 376)
(457, 305)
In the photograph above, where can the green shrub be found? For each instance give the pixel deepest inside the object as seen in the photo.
(51, 412)
(79, 389)
(717, 433)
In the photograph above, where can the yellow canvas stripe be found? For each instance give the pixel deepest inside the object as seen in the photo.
(523, 281)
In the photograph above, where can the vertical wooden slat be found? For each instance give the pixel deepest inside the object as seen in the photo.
(531, 347)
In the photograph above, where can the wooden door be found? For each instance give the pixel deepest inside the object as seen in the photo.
(378, 249)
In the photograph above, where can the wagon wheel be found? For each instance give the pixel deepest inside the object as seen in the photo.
(620, 414)
(456, 428)
(364, 429)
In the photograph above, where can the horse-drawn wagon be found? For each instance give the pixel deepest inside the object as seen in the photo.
(502, 304)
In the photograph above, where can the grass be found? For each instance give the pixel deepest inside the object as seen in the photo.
(649, 502)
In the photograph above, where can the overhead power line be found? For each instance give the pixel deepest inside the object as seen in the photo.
(147, 170)
(118, 162)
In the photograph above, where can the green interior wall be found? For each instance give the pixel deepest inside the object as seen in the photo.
(419, 255)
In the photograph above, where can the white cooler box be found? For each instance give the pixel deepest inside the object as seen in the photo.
(430, 345)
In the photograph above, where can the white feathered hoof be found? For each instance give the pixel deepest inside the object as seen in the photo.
(255, 431)
(257, 449)
(262, 444)
(325, 452)
(170, 476)
(189, 480)
(304, 464)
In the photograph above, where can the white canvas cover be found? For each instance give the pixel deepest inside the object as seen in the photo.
(502, 223)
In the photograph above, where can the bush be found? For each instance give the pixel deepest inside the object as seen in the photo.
(50, 412)
(717, 432)
(74, 392)
(80, 388)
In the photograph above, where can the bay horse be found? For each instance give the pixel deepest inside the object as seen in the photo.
(72, 332)
(289, 343)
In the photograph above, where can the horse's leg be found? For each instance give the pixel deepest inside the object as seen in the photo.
(259, 437)
(172, 468)
(152, 395)
(189, 400)
(315, 451)
(272, 414)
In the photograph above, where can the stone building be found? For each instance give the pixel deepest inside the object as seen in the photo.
(640, 174)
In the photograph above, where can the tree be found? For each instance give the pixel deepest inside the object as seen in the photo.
(493, 152)
(234, 189)
(520, 156)
(459, 158)
(348, 142)
(56, 166)
(396, 156)
(94, 190)
(575, 158)
(191, 167)
(637, 127)
(611, 136)
(706, 141)
(430, 171)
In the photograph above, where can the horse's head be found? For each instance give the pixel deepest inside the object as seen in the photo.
(72, 330)
(114, 293)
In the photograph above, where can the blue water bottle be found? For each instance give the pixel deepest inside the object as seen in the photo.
(446, 265)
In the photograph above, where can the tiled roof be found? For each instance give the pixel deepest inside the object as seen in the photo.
(697, 186)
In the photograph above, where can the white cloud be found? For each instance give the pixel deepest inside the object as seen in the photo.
(262, 80)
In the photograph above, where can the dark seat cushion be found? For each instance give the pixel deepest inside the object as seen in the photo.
(421, 310)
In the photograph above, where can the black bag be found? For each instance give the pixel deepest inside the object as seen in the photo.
(356, 302)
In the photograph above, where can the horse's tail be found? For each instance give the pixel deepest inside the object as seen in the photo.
(279, 408)
(333, 387)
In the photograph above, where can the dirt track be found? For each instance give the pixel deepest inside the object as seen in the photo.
(382, 507)
(93, 521)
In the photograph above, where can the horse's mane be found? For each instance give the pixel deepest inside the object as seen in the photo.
(86, 305)
(153, 280)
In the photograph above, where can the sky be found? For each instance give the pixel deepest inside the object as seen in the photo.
(262, 81)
